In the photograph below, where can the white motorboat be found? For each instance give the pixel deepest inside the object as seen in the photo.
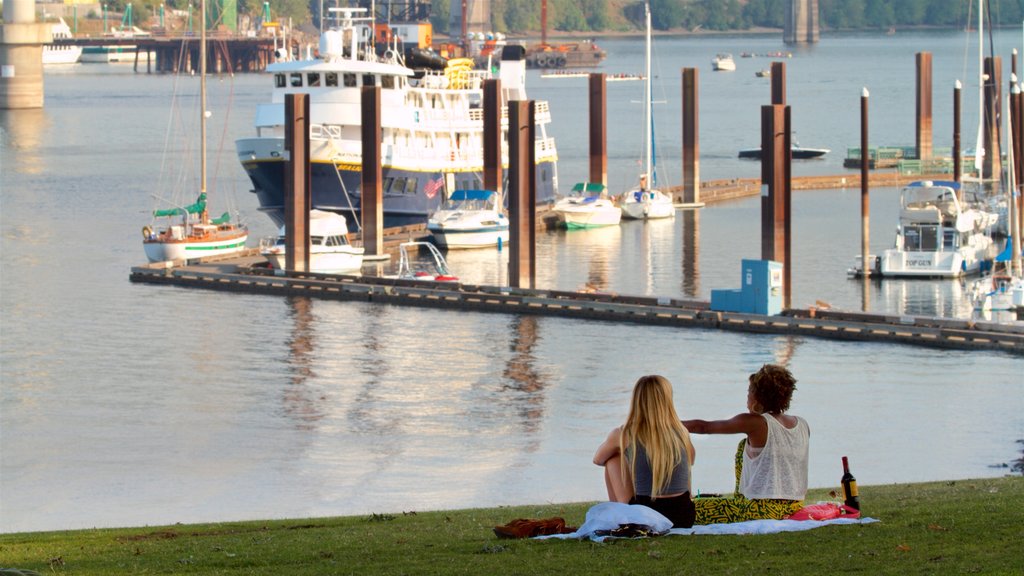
(939, 235)
(723, 62)
(330, 252)
(645, 201)
(431, 114)
(188, 232)
(469, 219)
(61, 53)
(587, 207)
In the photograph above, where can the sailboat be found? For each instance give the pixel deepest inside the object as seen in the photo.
(188, 232)
(645, 201)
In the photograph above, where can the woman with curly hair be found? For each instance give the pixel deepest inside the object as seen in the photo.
(771, 462)
(647, 460)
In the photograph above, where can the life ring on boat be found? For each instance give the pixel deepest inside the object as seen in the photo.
(147, 232)
(560, 62)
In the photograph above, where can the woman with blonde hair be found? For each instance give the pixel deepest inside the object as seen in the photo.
(647, 460)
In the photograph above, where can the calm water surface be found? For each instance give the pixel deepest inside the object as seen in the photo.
(128, 405)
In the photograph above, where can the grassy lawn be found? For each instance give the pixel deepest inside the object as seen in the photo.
(966, 526)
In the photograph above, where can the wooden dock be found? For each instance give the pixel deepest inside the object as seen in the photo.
(248, 275)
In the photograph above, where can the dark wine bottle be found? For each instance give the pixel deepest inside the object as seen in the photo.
(849, 487)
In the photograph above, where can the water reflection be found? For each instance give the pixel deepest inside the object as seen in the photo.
(691, 253)
(301, 403)
(522, 372)
(24, 131)
(596, 251)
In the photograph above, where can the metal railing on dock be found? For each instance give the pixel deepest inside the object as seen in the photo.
(245, 275)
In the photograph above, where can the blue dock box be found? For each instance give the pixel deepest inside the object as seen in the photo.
(761, 291)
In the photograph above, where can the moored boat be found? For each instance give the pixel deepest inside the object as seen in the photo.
(431, 126)
(195, 235)
(469, 219)
(61, 53)
(330, 252)
(587, 207)
(645, 201)
(798, 152)
(939, 235)
(723, 62)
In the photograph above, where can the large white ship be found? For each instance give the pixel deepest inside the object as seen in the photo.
(431, 124)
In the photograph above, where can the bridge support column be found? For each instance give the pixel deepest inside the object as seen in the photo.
(21, 56)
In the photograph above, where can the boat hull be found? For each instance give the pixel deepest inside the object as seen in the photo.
(336, 186)
(649, 206)
(335, 262)
(577, 217)
(162, 250)
(469, 238)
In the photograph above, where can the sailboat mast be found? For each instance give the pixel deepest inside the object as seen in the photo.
(647, 99)
(202, 97)
(979, 146)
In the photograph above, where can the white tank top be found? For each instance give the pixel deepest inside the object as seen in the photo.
(780, 469)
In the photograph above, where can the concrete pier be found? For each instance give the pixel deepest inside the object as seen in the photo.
(21, 56)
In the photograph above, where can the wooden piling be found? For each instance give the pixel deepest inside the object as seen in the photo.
(776, 190)
(691, 137)
(598, 129)
(522, 190)
(924, 105)
(492, 135)
(778, 83)
(864, 188)
(371, 204)
(993, 101)
(296, 182)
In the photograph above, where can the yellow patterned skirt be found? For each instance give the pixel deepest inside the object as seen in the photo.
(738, 508)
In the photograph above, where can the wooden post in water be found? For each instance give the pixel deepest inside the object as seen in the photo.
(371, 203)
(522, 194)
(296, 182)
(598, 129)
(492, 135)
(924, 106)
(993, 101)
(865, 205)
(957, 162)
(776, 191)
(691, 137)
(778, 83)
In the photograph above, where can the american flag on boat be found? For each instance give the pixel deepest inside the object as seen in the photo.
(432, 187)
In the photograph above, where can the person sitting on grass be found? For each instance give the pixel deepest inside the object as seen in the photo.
(771, 462)
(647, 460)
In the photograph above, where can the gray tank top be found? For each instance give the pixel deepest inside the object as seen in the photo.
(644, 479)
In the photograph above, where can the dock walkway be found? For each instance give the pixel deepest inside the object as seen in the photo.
(248, 276)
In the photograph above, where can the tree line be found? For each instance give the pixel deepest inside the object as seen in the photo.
(522, 16)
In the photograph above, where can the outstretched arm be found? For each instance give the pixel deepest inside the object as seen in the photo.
(746, 423)
(609, 448)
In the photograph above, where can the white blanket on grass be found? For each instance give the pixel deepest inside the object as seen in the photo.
(609, 515)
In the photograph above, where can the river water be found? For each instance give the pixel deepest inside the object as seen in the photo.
(126, 404)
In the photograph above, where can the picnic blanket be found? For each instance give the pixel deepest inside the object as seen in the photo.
(605, 517)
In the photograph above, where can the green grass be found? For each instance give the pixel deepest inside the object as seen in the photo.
(967, 526)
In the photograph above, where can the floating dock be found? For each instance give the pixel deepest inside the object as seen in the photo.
(248, 274)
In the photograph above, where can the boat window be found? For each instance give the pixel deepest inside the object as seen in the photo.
(397, 185)
(387, 183)
(312, 78)
(331, 241)
(949, 239)
(331, 79)
(387, 81)
(350, 80)
(410, 186)
(296, 80)
(316, 240)
(369, 80)
(921, 239)
(279, 80)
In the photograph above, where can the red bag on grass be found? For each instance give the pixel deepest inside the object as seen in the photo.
(825, 511)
